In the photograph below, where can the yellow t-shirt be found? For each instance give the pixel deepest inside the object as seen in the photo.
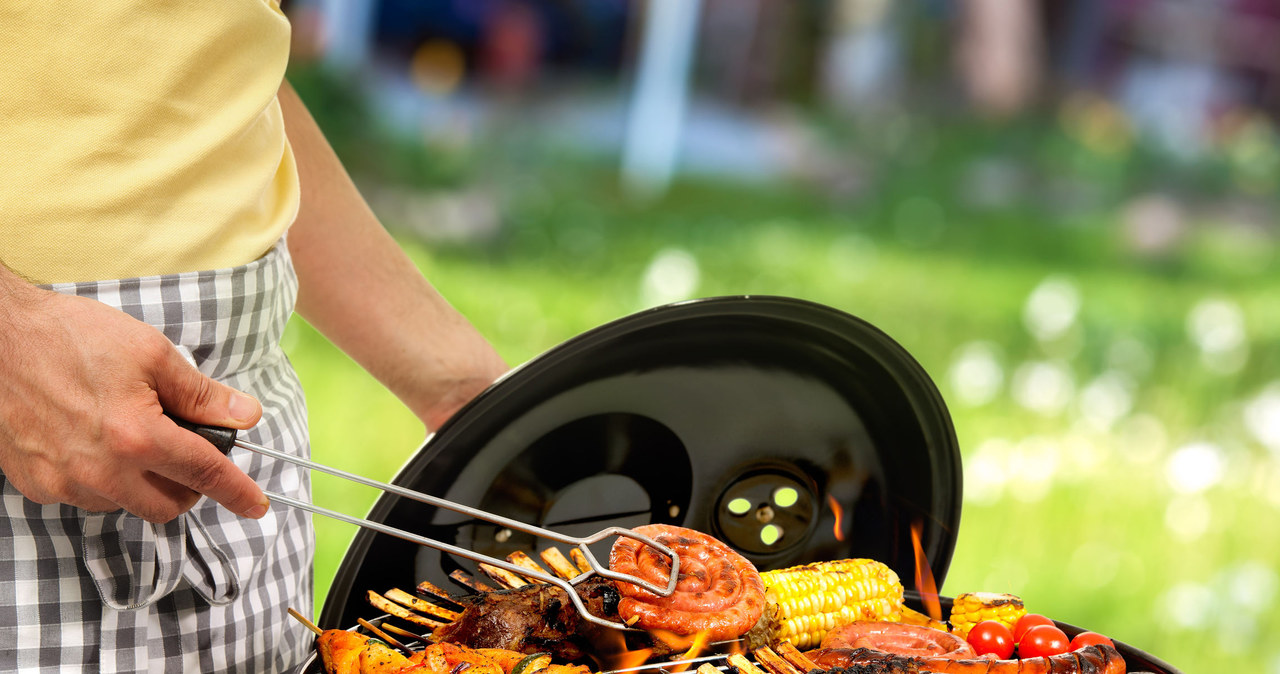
(141, 137)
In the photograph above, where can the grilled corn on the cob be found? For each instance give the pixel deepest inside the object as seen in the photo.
(808, 601)
(972, 608)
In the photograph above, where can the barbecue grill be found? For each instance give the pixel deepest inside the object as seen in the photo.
(790, 430)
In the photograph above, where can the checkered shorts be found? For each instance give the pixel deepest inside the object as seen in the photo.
(207, 592)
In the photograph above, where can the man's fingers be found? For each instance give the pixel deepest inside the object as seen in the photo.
(149, 496)
(197, 465)
(186, 393)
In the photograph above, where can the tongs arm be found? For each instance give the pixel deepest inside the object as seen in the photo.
(225, 439)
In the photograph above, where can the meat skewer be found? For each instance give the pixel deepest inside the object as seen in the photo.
(467, 580)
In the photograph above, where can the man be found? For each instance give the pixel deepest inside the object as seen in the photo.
(155, 145)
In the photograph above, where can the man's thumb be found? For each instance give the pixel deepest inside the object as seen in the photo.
(186, 393)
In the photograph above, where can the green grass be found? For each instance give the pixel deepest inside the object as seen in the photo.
(1091, 544)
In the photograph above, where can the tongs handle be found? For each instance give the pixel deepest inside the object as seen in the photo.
(224, 439)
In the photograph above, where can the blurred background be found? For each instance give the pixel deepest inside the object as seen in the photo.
(1066, 211)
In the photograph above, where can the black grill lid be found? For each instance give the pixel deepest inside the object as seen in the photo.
(746, 417)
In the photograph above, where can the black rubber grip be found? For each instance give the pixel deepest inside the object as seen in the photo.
(222, 438)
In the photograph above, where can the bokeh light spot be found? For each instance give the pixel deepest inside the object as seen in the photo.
(1185, 605)
(1194, 468)
(1217, 328)
(1045, 387)
(1252, 585)
(1142, 437)
(986, 472)
(671, 276)
(1106, 400)
(1262, 417)
(976, 374)
(437, 67)
(1051, 308)
(1188, 517)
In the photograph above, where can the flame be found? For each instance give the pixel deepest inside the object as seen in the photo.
(839, 512)
(924, 576)
(696, 647)
(612, 651)
(629, 659)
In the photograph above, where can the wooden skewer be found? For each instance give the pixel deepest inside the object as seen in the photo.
(405, 633)
(409, 601)
(773, 662)
(384, 636)
(559, 563)
(503, 576)
(303, 619)
(383, 604)
(522, 560)
(580, 560)
(743, 665)
(466, 579)
(799, 660)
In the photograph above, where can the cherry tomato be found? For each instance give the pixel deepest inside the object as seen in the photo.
(990, 636)
(1090, 639)
(1043, 640)
(1026, 622)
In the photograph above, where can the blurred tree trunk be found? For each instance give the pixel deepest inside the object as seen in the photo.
(999, 54)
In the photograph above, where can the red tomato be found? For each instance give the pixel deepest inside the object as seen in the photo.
(990, 636)
(1090, 639)
(1043, 640)
(1026, 622)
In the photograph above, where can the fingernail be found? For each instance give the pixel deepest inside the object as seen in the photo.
(243, 407)
(257, 511)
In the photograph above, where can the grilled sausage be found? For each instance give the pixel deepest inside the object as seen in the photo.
(718, 591)
(1100, 659)
(899, 638)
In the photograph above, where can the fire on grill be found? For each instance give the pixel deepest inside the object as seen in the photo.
(845, 616)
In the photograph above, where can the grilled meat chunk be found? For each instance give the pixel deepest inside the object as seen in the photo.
(537, 619)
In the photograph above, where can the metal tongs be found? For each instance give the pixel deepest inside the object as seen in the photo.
(225, 438)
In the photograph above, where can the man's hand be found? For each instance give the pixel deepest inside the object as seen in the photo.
(83, 391)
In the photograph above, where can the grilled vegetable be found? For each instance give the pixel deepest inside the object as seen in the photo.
(532, 663)
(340, 650)
(971, 608)
(379, 658)
(811, 600)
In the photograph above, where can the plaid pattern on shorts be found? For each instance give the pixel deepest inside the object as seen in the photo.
(207, 592)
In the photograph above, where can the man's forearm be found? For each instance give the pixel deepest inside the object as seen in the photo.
(364, 293)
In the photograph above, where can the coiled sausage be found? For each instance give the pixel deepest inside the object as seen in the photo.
(718, 590)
